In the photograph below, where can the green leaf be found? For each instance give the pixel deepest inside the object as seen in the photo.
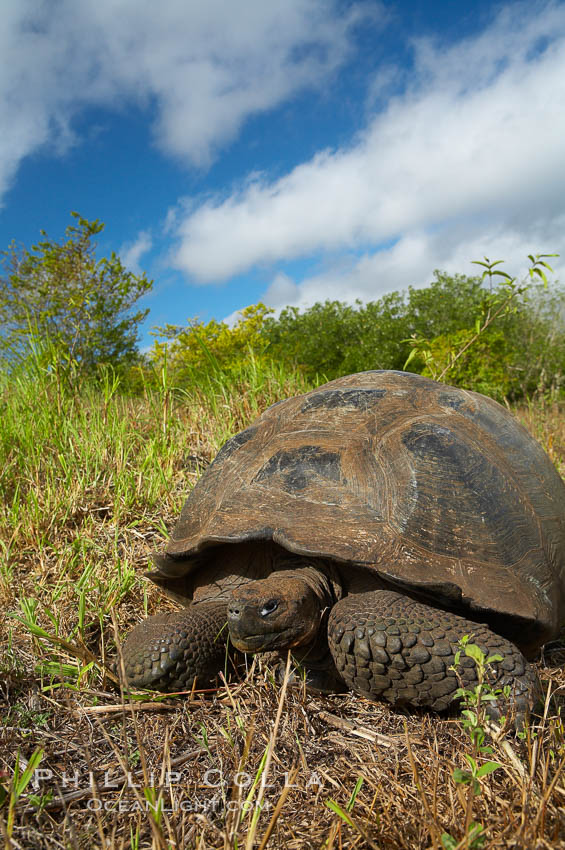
(471, 762)
(33, 628)
(21, 782)
(476, 838)
(412, 356)
(487, 696)
(462, 777)
(335, 807)
(474, 652)
(354, 793)
(470, 716)
(487, 767)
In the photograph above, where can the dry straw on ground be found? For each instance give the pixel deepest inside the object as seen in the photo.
(253, 764)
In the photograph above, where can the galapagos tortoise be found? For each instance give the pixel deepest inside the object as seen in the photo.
(368, 525)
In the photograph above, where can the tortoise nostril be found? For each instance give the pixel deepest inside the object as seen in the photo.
(233, 610)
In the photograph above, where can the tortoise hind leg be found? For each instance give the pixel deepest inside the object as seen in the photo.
(169, 650)
(387, 646)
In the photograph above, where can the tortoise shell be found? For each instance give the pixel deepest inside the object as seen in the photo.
(432, 488)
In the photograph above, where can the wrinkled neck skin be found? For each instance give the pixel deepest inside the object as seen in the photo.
(320, 575)
(324, 580)
(320, 581)
(314, 650)
(316, 654)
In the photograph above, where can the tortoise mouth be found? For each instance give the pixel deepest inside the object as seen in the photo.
(268, 640)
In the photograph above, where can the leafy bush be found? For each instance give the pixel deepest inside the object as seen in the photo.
(504, 339)
(201, 348)
(335, 338)
(59, 292)
(507, 341)
(496, 355)
(485, 367)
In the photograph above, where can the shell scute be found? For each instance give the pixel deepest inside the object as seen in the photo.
(295, 469)
(360, 399)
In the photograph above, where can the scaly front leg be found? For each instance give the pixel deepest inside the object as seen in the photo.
(169, 650)
(387, 646)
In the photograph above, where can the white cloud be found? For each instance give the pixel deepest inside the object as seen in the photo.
(467, 160)
(205, 66)
(413, 258)
(283, 290)
(131, 252)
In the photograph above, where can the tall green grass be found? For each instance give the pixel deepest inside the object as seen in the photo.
(92, 479)
(64, 445)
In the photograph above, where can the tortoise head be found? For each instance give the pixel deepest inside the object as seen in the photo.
(278, 612)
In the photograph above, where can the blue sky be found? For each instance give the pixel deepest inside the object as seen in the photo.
(288, 151)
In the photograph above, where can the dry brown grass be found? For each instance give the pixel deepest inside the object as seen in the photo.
(546, 421)
(100, 751)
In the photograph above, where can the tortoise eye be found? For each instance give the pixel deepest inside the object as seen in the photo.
(269, 607)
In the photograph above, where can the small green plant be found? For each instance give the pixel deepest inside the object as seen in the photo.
(439, 356)
(203, 739)
(475, 838)
(134, 838)
(475, 702)
(346, 815)
(25, 717)
(16, 787)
